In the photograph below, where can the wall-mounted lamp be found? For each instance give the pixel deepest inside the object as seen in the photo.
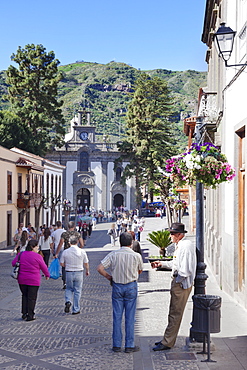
(26, 195)
(224, 39)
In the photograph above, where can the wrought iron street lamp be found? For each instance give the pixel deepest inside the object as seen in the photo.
(26, 195)
(224, 40)
(26, 198)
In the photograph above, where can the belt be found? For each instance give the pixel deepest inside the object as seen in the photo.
(74, 271)
(125, 283)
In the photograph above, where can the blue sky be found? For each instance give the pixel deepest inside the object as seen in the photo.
(145, 34)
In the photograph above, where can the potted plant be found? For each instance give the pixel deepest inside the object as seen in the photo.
(160, 239)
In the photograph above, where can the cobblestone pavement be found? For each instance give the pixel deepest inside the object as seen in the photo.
(56, 340)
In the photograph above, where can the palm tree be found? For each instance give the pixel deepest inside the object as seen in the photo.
(161, 239)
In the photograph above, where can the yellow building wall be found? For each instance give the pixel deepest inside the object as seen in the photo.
(8, 208)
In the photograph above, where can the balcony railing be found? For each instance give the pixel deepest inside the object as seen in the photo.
(207, 107)
(24, 201)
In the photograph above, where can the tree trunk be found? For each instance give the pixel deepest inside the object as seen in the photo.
(138, 193)
(175, 215)
(52, 215)
(168, 213)
(66, 219)
(37, 221)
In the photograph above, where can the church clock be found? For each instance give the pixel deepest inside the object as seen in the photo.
(84, 135)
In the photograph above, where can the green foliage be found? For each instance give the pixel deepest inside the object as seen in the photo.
(106, 90)
(13, 132)
(150, 138)
(160, 239)
(32, 93)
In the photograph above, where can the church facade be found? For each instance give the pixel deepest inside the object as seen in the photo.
(90, 181)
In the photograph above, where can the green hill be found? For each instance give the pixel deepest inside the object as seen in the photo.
(105, 89)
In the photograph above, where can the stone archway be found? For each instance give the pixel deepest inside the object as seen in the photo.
(119, 194)
(83, 190)
(118, 200)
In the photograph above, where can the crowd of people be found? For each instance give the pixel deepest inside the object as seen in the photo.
(55, 241)
(124, 264)
(126, 222)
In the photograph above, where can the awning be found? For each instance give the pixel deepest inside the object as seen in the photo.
(156, 204)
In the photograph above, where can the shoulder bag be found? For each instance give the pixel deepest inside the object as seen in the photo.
(16, 268)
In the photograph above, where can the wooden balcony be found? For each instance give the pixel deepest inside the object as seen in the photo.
(32, 200)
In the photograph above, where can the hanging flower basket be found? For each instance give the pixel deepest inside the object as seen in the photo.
(177, 204)
(204, 163)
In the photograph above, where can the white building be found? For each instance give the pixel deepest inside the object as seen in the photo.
(225, 215)
(53, 179)
(90, 181)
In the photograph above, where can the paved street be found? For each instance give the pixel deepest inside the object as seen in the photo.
(56, 340)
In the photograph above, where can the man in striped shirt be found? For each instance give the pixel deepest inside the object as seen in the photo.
(125, 266)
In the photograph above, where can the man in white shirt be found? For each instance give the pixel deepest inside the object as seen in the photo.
(74, 259)
(183, 274)
(125, 265)
(22, 227)
(57, 236)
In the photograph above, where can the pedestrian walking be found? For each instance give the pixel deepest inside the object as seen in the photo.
(29, 277)
(125, 266)
(94, 221)
(90, 228)
(64, 244)
(74, 259)
(183, 273)
(113, 235)
(46, 245)
(16, 239)
(135, 229)
(135, 244)
(84, 232)
(22, 244)
(57, 236)
(23, 228)
(118, 224)
(129, 223)
(31, 233)
(123, 228)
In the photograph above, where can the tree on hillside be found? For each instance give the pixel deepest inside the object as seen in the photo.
(149, 141)
(13, 132)
(32, 93)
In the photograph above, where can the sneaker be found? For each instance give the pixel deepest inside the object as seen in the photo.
(76, 313)
(131, 349)
(64, 286)
(67, 307)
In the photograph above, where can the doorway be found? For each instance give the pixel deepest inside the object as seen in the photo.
(83, 200)
(118, 200)
(9, 228)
